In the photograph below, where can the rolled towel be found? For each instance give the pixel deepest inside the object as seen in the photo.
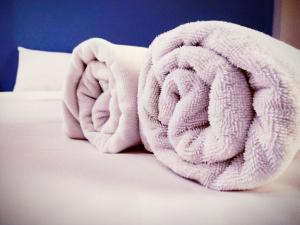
(219, 103)
(100, 95)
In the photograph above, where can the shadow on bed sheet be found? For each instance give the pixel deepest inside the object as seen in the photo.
(139, 149)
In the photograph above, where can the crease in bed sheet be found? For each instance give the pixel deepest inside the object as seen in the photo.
(34, 95)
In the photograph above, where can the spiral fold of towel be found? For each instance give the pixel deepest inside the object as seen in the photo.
(219, 103)
(100, 95)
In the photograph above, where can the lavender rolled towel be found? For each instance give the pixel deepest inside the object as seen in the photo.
(219, 103)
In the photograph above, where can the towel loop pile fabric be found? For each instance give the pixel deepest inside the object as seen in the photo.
(219, 103)
(100, 102)
(215, 102)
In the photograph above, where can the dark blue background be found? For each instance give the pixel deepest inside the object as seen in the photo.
(60, 25)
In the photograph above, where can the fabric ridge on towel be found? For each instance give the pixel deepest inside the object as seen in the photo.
(100, 94)
(219, 103)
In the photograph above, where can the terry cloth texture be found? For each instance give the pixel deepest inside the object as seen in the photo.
(100, 94)
(219, 103)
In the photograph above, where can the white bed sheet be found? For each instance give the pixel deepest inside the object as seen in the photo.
(48, 179)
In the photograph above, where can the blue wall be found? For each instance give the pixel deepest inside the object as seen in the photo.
(60, 25)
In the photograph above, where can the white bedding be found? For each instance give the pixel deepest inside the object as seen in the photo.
(49, 179)
(41, 70)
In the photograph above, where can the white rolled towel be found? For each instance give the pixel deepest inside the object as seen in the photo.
(219, 103)
(100, 94)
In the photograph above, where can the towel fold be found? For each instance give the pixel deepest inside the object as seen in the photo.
(219, 103)
(100, 95)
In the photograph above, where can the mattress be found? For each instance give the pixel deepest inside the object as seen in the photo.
(48, 179)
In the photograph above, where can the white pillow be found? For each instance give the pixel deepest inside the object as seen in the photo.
(41, 70)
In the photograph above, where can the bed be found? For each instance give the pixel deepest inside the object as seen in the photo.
(49, 179)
